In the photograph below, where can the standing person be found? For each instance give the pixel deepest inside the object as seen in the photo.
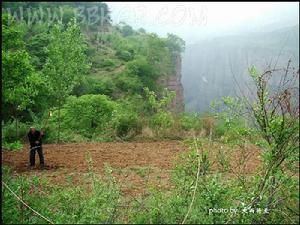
(35, 140)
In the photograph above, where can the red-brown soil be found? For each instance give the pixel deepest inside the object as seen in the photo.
(135, 164)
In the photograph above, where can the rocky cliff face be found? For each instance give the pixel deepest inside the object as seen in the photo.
(212, 68)
(173, 83)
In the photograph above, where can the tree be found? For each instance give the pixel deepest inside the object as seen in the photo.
(142, 30)
(19, 78)
(175, 43)
(127, 30)
(66, 62)
(36, 41)
(158, 55)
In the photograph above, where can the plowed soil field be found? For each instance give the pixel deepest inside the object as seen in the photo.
(136, 165)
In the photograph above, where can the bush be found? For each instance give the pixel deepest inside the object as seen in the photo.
(190, 121)
(12, 146)
(105, 86)
(124, 55)
(82, 118)
(95, 203)
(129, 83)
(232, 131)
(128, 124)
(146, 72)
(107, 63)
(9, 131)
(100, 61)
(161, 121)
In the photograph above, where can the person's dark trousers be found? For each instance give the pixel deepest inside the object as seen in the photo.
(32, 156)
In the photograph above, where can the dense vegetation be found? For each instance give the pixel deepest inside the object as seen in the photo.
(84, 82)
(50, 67)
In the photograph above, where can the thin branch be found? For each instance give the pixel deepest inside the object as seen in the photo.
(17, 197)
(196, 185)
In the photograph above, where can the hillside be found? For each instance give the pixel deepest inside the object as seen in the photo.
(95, 128)
(114, 63)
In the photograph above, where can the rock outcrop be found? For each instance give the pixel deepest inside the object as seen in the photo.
(173, 83)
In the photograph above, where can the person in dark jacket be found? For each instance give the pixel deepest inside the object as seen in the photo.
(35, 140)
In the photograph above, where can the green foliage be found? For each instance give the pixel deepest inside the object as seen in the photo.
(44, 66)
(231, 124)
(124, 55)
(253, 73)
(66, 60)
(88, 113)
(98, 200)
(37, 39)
(161, 121)
(12, 32)
(20, 81)
(107, 63)
(93, 204)
(190, 121)
(175, 43)
(129, 83)
(214, 193)
(84, 86)
(12, 146)
(128, 123)
(171, 207)
(105, 85)
(126, 30)
(159, 104)
(141, 68)
(9, 131)
(53, 59)
(65, 63)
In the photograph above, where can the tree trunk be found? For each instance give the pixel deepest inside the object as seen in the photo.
(58, 138)
(17, 128)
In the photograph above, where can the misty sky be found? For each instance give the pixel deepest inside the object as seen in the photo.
(200, 20)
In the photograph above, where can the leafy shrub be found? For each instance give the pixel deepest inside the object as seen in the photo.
(232, 131)
(83, 117)
(105, 86)
(107, 63)
(128, 123)
(129, 83)
(124, 55)
(144, 70)
(96, 61)
(161, 120)
(66, 136)
(12, 146)
(220, 129)
(83, 87)
(9, 131)
(73, 204)
(190, 121)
